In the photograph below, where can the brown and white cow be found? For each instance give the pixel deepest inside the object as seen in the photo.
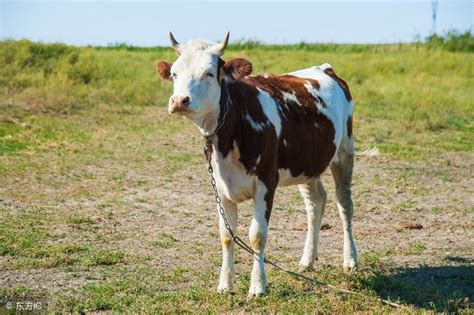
(271, 131)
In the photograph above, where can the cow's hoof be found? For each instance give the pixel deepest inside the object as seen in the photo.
(224, 289)
(303, 268)
(252, 296)
(257, 290)
(350, 265)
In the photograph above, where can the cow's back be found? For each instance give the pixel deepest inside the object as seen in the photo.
(313, 107)
(336, 94)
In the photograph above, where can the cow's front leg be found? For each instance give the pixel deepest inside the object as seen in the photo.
(227, 277)
(258, 232)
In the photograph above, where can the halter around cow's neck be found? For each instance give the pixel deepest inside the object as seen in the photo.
(220, 122)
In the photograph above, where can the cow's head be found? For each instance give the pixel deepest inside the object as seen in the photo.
(199, 75)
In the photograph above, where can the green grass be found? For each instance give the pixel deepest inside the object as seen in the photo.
(416, 248)
(85, 138)
(411, 101)
(166, 241)
(145, 289)
(156, 292)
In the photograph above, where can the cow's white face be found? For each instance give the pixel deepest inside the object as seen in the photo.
(197, 77)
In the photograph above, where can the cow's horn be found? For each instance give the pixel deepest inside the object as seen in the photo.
(224, 43)
(175, 44)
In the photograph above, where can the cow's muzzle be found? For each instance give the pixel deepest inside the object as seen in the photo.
(179, 104)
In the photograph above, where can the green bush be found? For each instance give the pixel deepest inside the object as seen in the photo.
(452, 41)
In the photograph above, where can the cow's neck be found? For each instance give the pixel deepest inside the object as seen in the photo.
(210, 122)
(207, 124)
(228, 121)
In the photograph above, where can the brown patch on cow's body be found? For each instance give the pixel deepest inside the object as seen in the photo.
(330, 72)
(349, 126)
(257, 242)
(305, 146)
(253, 145)
(306, 142)
(226, 241)
(220, 69)
(269, 202)
(276, 85)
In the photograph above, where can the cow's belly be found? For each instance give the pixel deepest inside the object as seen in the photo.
(286, 179)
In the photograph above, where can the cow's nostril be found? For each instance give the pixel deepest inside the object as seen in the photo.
(186, 100)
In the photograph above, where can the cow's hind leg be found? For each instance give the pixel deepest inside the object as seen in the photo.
(315, 200)
(342, 173)
(227, 277)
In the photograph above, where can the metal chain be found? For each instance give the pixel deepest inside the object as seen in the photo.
(228, 103)
(247, 248)
(235, 238)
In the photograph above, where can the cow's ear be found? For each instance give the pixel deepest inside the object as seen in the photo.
(164, 69)
(238, 68)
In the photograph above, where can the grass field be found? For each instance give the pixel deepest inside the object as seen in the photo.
(105, 202)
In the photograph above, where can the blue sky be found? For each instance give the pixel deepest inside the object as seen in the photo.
(146, 23)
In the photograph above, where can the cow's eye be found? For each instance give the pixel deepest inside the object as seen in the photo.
(209, 74)
(173, 75)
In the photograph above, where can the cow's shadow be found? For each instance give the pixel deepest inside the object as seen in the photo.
(441, 289)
